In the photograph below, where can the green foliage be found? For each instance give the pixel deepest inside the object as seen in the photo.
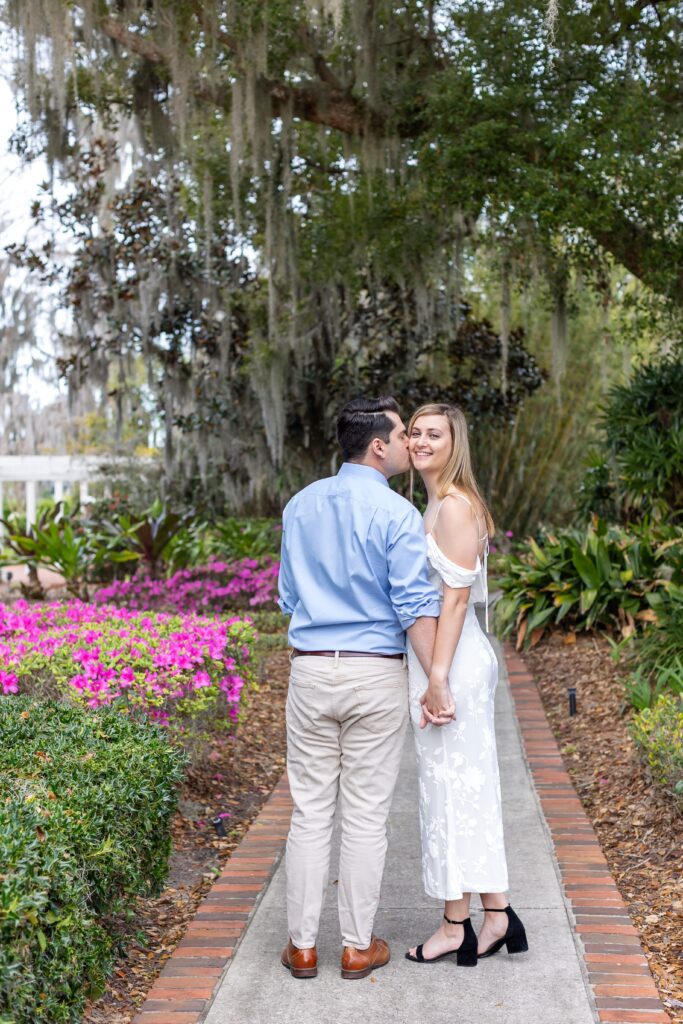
(531, 467)
(141, 538)
(644, 689)
(267, 621)
(600, 576)
(656, 654)
(380, 345)
(53, 952)
(117, 542)
(21, 542)
(269, 642)
(191, 545)
(86, 799)
(596, 496)
(414, 138)
(65, 548)
(234, 538)
(658, 732)
(490, 106)
(639, 470)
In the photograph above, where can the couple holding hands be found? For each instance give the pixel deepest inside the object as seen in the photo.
(383, 629)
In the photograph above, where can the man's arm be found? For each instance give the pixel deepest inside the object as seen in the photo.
(285, 580)
(422, 634)
(414, 599)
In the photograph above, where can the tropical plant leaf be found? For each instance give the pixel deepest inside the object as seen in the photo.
(586, 569)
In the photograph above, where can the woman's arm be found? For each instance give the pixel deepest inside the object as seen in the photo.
(437, 702)
(458, 539)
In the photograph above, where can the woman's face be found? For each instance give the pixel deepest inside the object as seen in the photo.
(430, 444)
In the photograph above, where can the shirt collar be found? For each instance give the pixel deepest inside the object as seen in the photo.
(359, 470)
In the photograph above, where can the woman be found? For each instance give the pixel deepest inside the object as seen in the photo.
(452, 710)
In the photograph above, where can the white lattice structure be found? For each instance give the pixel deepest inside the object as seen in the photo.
(56, 469)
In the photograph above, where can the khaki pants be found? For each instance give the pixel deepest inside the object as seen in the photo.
(346, 720)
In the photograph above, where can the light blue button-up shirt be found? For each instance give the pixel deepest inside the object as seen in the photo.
(353, 574)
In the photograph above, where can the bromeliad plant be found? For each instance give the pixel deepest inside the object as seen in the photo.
(179, 671)
(24, 544)
(69, 550)
(141, 539)
(602, 576)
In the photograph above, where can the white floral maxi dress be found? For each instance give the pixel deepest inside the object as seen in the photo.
(461, 821)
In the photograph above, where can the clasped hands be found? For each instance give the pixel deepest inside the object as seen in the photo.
(438, 706)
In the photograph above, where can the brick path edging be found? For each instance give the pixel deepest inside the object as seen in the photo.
(617, 969)
(186, 985)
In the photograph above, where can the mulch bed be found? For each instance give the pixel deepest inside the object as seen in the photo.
(636, 824)
(236, 779)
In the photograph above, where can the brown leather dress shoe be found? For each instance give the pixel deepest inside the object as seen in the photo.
(358, 963)
(301, 963)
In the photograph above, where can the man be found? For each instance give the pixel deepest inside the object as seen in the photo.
(353, 577)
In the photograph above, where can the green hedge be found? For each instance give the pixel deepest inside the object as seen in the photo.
(86, 799)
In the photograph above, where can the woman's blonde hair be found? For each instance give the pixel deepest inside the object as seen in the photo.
(457, 472)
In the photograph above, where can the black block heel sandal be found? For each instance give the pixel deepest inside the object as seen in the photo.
(465, 955)
(515, 936)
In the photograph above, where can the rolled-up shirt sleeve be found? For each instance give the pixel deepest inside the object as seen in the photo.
(411, 593)
(285, 580)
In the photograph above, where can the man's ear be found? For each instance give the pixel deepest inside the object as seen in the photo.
(377, 447)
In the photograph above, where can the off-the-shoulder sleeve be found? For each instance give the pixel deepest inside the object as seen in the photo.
(453, 575)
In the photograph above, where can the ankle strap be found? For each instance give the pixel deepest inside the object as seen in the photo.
(454, 922)
(496, 910)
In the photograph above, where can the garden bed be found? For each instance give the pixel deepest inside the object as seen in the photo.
(638, 828)
(243, 770)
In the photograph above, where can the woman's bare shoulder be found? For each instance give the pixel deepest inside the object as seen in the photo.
(457, 509)
(457, 533)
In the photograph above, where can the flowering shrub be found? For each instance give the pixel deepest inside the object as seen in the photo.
(211, 588)
(658, 731)
(175, 669)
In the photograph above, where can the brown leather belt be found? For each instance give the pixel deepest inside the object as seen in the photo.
(342, 654)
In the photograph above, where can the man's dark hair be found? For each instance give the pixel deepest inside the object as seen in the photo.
(361, 420)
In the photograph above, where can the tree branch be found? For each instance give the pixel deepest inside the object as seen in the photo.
(637, 249)
(322, 68)
(332, 108)
(320, 103)
(133, 42)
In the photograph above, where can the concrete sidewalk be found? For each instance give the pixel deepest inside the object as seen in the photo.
(544, 986)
